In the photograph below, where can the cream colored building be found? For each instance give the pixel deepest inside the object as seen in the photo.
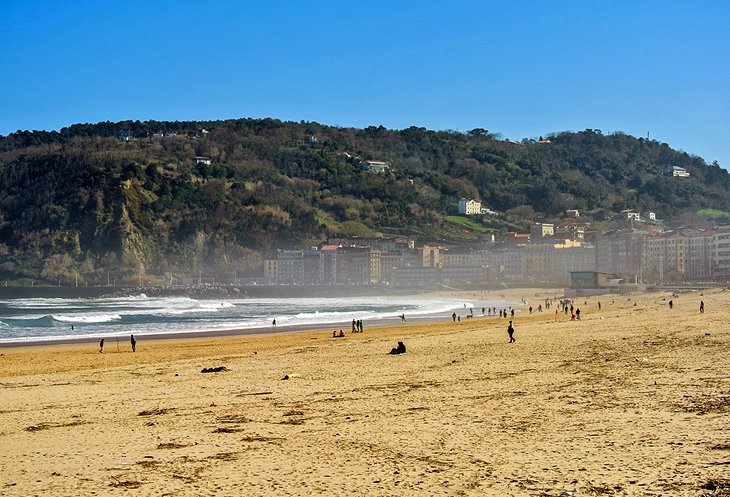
(470, 207)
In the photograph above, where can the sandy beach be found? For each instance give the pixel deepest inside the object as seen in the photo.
(633, 399)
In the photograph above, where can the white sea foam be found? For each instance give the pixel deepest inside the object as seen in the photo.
(86, 318)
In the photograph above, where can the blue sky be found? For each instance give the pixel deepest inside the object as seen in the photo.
(519, 68)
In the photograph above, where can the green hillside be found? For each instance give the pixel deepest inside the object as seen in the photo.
(83, 203)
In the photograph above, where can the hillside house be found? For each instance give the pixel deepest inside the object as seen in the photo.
(538, 231)
(677, 172)
(202, 160)
(374, 166)
(470, 207)
(630, 214)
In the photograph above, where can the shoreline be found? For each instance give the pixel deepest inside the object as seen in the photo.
(234, 332)
(509, 297)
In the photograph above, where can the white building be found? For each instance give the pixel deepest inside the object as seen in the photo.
(470, 207)
(651, 216)
(677, 171)
(374, 166)
(630, 214)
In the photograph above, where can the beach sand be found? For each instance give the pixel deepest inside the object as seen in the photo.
(631, 400)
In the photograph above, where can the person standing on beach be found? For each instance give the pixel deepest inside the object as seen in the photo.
(702, 306)
(511, 332)
(671, 304)
(134, 343)
(101, 346)
(273, 323)
(453, 316)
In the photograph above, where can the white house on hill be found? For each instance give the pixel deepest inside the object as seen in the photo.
(677, 172)
(374, 166)
(630, 214)
(470, 207)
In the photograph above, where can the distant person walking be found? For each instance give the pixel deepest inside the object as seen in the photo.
(453, 316)
(511, 332)
(101, 346)
(134, 343)
(671, 304)
(273, 323)
(702, 306)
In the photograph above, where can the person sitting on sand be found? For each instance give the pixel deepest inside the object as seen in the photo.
(400, 349)
(342, 334)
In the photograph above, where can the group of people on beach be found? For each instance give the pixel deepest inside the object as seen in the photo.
(132, 340)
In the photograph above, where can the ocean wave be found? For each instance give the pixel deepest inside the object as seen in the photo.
(86, 318)
(45, 318)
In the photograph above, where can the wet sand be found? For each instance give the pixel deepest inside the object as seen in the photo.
(631, 400)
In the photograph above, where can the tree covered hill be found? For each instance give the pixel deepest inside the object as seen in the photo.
(83, 203)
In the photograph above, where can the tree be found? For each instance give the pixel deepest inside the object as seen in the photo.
(59, 267)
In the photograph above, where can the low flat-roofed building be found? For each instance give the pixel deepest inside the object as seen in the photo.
(592, 280)
(375, 166)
